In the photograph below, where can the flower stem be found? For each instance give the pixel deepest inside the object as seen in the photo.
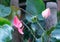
(40, 25)
(29, 30)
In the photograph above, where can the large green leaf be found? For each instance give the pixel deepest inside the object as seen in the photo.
(6, 33)
(4, 21)
(34, 8)
(4, 11)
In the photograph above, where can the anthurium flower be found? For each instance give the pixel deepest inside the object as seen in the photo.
(18, 24)
(46, 13)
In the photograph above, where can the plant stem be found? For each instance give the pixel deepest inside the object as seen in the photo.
(40, 25)
(26, 12)
(31, 16)
(29, 30)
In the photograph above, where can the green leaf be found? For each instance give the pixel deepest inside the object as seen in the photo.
(4, 21)
(40, 17)
(56, 34)
(46, 34)
(36, 29)
(34, 8)
(4, 11)
(5, 2)
(6, 33)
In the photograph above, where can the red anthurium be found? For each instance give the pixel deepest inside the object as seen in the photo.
(18, 24)
(46, 13)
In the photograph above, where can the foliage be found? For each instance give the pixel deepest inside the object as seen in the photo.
(5, 2)
(4, 21)
(34, 25)
(4, 11)
(14, 11)
(46, 34)
(6, 33)
(58, 13)
(5, 25)
(34, 9)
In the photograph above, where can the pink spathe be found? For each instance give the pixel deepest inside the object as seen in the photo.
(46, 13)
(18, 24)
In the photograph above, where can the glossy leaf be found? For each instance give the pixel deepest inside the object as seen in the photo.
(46, 34)
(4, 11)
(4, 21)
(34, 7)
(6, 33)
(56, 34)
